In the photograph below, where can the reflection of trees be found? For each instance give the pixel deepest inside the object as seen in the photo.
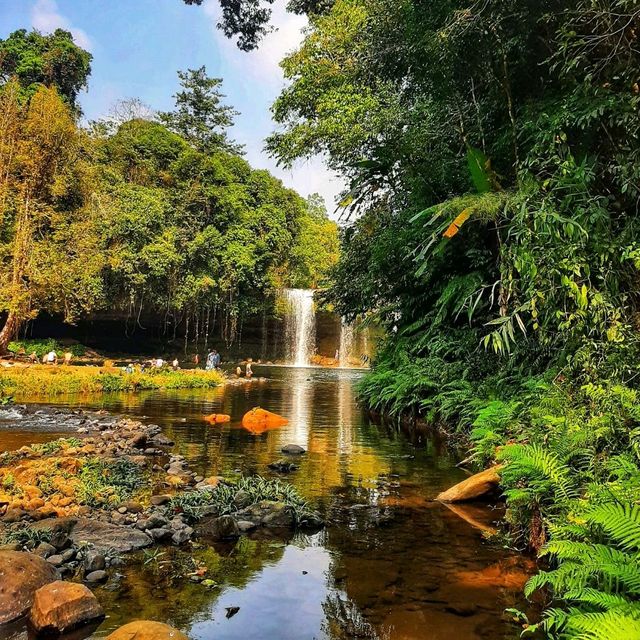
(344, 620)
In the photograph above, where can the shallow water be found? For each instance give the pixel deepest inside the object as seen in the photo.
(390, 564)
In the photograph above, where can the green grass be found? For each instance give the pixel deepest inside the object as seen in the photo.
(42, 380)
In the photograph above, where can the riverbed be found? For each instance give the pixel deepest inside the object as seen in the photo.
(391, 563)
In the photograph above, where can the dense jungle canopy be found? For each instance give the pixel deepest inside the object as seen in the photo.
(493, 151)
(136, 213)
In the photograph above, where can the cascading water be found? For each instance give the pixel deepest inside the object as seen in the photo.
(347, 339)
(300, 326)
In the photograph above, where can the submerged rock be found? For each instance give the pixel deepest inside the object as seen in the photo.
(21, 575)
(283, 466)
(62, 606)
(293, 449)
(146, 630)
(478, 485)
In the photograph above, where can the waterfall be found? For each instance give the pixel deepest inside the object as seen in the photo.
(300, 326)
(346, 343)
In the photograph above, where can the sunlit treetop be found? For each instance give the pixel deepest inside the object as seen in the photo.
(52, 60)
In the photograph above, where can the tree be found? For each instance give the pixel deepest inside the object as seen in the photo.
(249, 19)
(52, 60)
(49, 256)
(200, 117)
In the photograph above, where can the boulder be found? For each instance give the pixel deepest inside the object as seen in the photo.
(222, 528)
(268, 514)
(476, 486)
(102, 536)
(146, 630)
(258, 421)
(21, 575)
(60, 606)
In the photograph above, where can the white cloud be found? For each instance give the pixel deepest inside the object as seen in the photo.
(260, 73)
(46, 17)
(263, 64)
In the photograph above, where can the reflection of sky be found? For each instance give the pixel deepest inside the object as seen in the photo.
(275, 601)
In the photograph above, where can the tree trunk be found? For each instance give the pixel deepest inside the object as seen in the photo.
(9, 330)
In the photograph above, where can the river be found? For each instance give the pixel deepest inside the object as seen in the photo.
(391, 564)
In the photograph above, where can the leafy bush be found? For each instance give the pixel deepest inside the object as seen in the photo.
(107, 482)
(222, 499)
(42, 347)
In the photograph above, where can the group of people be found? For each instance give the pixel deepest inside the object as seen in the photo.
(51, 358)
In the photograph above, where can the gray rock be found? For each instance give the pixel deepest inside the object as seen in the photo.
(55, 560)
(68, 555)
(160, 500)
(246, 525)
(293, 449)
(182, 535)
(44, 550)
(161, 534)
(94, 562)
(101, 536)
(269, 514)
(96, 577)
(221, 528)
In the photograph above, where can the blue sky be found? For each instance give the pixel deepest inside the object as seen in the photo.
(138, 45)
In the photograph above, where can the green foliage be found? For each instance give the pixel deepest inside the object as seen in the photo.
(47, 448)
(200, 118)
(107, 482)
(53, 60)
(224, 498)
(42, 347)
(492, 152)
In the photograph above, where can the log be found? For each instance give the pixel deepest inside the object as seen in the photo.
(478, 485)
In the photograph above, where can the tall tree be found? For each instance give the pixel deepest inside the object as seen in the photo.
(47, 252)
(200, 116)
(52, 60)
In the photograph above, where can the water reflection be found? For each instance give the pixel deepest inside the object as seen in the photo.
(390, 564)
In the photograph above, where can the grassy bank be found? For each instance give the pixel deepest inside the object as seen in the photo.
(40, 380)
(570, 444)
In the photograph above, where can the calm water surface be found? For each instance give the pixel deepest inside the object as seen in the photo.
(391, 563)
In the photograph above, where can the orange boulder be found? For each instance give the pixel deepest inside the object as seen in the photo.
(218, 418)
(258, 420)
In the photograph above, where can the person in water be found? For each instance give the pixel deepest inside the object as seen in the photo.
(248, 371)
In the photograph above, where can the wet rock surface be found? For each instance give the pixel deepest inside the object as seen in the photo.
(146, 630)
(63, 606)
(21, 575)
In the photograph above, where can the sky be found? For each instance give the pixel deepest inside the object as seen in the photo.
(138, 45)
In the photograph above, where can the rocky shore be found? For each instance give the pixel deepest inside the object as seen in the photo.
(76, 508)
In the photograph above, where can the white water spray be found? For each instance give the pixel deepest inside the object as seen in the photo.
(347, 340)
(300, 326)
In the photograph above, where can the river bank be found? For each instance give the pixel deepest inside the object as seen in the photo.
(24, 381)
